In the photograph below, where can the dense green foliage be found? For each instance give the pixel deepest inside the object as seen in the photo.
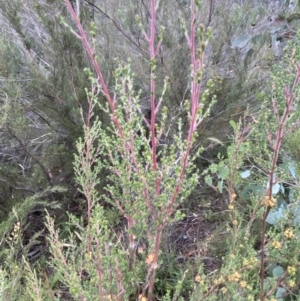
(149, 150)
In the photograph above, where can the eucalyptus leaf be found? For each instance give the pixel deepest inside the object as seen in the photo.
(267, 283)
(245, 174)
(220, 186)
(278, 271)
(277, 28)
(292, 169)
(252, 189)
(249, 56)
(275, 188)
(297, 215)
(291, 194)
(241, 41)
(270, 268)
(258, 40)
(275, 215)
(282, 203)
(280, 293)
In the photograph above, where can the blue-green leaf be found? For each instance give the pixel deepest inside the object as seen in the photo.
(274, 216)
(280, 293)
(277, 28)
(252, 189)
(275, 188)
(220, 186)
(282, 203)
(297, 215)
(291, 195)
(245, 174)
(259, 40)
(241, 41)
(292, 169)
(249, 56)
(278, 272)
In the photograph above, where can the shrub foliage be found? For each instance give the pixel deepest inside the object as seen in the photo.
(149, 150)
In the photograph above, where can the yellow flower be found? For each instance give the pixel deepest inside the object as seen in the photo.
(230, 207)
(219, 280)
(232, 196)
(269, 202)
(291, 270)
(243, 283)
(198, 279)
(245, 262)
(235, 222)
(235, 277)
(254, 261)
(276, 244)
(291, 283)
(149, 258)
(289, 234)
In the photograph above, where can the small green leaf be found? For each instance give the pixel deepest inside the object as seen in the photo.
(260, 96)
(245, 174)
(220, 186)
(241, 41)
(233, 124)
(223, 172)
(208, 180)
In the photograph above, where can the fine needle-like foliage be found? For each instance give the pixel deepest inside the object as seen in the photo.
(144, 155)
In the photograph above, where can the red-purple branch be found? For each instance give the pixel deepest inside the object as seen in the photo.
(197, 66)
(289, 97)
(90, 51)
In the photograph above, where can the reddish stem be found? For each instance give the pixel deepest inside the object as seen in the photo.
(289, 97)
